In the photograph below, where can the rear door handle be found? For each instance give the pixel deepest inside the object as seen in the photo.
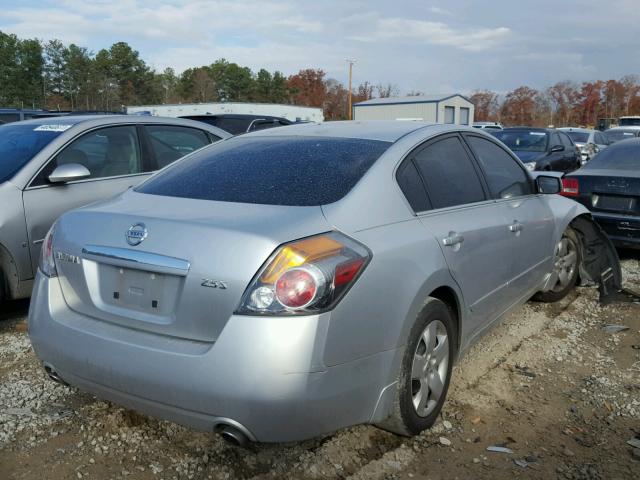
(453, 239)
(515, 227)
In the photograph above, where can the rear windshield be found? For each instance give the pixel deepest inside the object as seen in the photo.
(19, 143)
(625, 122)
(617, 135)
(621, 156)
(298, 171)
(578, 137)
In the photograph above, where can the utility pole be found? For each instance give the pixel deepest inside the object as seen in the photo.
(350, 62)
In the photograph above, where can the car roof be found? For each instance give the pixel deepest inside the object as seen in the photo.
(634, 141)
(62, 119)
(89, 121)
(242, 116)
(633, 128)
(537, 129)
(576, 129)
(382, 130)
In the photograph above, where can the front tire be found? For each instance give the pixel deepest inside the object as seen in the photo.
(566, 262)
(423, 380)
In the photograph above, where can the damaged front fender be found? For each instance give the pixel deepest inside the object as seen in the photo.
(600, 263)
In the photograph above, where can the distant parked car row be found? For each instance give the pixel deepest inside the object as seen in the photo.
(588, 141)
(616, 134)
(234, 124)
(541, 148)
(237, 124)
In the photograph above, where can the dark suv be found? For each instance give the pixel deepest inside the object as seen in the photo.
(541, 148)
(236, 124)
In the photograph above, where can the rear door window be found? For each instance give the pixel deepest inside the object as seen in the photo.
(505, 177)
(449, 174)
(300, 171)
(170, 142)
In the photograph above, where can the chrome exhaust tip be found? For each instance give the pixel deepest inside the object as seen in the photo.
(234, 436)
(53, 375)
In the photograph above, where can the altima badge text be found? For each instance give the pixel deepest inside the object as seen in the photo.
(207, 282)
(136, 234)
(67, 257)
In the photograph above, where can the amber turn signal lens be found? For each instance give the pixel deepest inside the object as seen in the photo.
(299, 253)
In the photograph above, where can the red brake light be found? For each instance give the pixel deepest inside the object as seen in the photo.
(570, 187)
(296, 288)
(346, 272)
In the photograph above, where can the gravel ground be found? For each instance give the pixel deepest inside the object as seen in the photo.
(549, 384)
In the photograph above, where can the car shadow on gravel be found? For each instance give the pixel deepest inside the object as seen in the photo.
(13, 311)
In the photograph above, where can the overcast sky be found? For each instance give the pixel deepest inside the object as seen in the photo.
(430, 46)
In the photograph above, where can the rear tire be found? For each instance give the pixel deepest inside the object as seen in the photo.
(423, 380)
(566, 260)
(3, 291)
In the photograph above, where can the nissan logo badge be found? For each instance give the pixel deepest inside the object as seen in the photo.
(136, 234)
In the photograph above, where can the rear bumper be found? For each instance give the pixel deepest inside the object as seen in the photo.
(623, 230)
(265, 374)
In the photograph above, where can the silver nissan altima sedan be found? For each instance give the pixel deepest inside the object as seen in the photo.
(288, 283)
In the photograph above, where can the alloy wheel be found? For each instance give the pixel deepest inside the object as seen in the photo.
(429, 368)
(565, 263)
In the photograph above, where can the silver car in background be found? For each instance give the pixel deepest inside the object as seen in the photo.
(588, 141)
(51, 165)
(287, 283)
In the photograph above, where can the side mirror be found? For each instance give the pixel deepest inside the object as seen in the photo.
(69, 172)
(548, 184)
(557, 148)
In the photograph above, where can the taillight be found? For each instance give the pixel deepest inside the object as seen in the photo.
(306, 276)
(570, 187)
(47, 261)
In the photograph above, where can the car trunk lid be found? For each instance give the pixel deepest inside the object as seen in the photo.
(187, 276)
(609, 190)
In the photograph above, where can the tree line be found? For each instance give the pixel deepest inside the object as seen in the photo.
(55, 76)
(566, 103)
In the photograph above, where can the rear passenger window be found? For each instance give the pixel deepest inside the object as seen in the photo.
(505, 177)
(449, 174)
(170, 142)
(412, 186)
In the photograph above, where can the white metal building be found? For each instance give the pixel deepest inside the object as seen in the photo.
(454, 108)
(290, 112)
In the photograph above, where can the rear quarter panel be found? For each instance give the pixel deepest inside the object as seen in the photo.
(378, 312)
